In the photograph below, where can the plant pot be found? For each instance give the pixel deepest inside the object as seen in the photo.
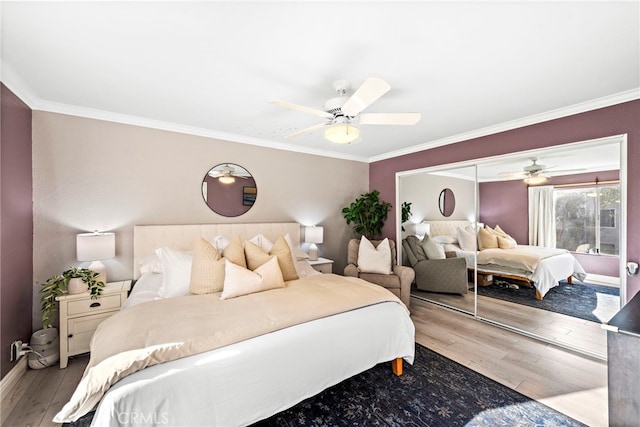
(77, 286)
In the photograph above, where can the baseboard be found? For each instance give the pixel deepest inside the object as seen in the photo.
(13, 376)
(599, 279)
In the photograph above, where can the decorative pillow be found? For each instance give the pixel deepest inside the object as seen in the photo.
(239, 281)
(150, 264)
(372, 259)
(487, 239)
(256, 256)
(262, 242)
(444, 239)
(432, 249)
(234, 252)
(207, 269)
(220, 243)
(466, 238)
(506, 242)
(499, 232)
(176, 266)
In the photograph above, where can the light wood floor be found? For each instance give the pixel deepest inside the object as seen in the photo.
(573, 384)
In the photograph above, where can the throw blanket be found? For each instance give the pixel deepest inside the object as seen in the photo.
(164, 330)
(522, 257)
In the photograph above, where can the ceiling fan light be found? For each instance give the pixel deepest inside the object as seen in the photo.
(535, 180)
(342, 133)
(226, 179)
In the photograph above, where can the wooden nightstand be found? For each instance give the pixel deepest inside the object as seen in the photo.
(323, 265)
(80, 316)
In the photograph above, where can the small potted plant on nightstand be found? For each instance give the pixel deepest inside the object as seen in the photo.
(73, 280)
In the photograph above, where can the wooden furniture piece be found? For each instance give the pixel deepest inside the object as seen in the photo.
(323, 265)
(80, 316)
(623, 355)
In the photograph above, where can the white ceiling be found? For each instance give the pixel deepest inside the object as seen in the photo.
(210, 68)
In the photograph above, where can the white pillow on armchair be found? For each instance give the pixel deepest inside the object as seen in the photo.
(372, 259)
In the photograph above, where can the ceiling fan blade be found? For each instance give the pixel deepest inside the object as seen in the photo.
(305, 131)
(390, 118)
(372, 89)
(512, 174)
(302, 108)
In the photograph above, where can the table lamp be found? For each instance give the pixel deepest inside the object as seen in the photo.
(313, 235)
(95, 247)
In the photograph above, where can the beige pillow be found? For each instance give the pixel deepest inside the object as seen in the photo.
(506, 242)
(234, 252)
(239, 281)
(466, 238)
(372, 259)
(256, 257)
(207, 269)
(432, 249)
(487, 239)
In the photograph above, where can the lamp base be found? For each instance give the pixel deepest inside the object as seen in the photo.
(99, 268)
(313, 252)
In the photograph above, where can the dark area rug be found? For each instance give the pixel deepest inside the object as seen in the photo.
(435, 391)
(577, 300)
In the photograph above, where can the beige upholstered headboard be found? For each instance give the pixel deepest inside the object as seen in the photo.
(147, 238)
(446, 228)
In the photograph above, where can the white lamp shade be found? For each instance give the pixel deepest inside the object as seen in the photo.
(313, 234)
(95, 246)
(342, 133)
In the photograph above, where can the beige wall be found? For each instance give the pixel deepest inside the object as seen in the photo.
(91, 174)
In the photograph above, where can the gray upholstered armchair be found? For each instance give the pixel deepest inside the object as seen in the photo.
(447, 275)
(398, 282)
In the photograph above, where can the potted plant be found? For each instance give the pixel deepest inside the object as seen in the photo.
(72, 280)
(406, 213)
(367, 213)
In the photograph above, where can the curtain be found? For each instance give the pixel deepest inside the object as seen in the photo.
(542, 218)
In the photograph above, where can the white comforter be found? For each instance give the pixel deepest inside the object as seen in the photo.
(253, 379)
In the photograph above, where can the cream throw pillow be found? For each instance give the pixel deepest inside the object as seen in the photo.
(239, 281)
(487, 239)
(234, 252)
(432, 249)
(506, 242)
(207, 269)
(466, 238)
(372, 259)
(256, 256)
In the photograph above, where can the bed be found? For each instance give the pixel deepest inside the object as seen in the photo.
(542, 268)
(244, 381)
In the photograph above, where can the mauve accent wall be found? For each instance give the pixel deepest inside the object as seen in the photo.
(604, 122)
(16, 225)
(506, 203)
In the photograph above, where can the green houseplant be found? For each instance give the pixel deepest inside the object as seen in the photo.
(367, 213)
(406, 213)
(59, 283)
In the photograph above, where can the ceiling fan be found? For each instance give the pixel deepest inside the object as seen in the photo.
(534, 173)
(227, 174)
(344, 113)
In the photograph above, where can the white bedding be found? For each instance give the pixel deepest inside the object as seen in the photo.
(254, 379)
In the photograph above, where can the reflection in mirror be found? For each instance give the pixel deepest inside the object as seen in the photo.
(229, 189)
(429, 205)
(446, 202)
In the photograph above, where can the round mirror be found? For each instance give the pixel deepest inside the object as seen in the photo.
(229, 189)
(446, 202)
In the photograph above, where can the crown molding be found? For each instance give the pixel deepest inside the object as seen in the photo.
(582, 107)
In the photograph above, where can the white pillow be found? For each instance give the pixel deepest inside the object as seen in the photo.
(432, 249)
(150, 264)
(297, 254)
(220, 243)
(372, 259)
(262, 242)
(176, 266)
(466, 238)
(239, 281)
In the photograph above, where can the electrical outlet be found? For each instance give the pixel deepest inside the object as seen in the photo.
(16, 346)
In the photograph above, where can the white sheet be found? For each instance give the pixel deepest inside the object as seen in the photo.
(252, 380)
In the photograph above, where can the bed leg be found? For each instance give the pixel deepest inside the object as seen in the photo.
(396, 366)
(570, 280)
(538, 296)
